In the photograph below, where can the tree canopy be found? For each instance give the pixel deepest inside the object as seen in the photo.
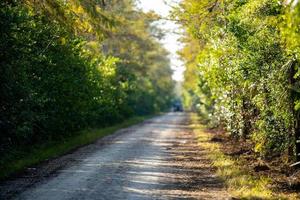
(69, 65)
(242, 69)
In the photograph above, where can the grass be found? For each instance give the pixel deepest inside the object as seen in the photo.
(19, 160)
(239, 182)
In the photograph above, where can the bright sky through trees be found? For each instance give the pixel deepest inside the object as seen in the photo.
(170, 41)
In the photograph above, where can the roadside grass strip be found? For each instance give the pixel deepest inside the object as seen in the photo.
(24, 157)
(239, 182)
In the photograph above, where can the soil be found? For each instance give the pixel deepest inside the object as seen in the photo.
(285, 179)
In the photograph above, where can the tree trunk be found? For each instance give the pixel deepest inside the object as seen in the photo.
(296, 135)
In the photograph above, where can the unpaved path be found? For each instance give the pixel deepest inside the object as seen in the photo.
(157, 159)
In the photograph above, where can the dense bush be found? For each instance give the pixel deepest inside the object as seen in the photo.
(246, 61)
(56, 79)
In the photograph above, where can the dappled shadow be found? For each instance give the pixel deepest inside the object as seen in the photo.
(159, 159)
(185, 173)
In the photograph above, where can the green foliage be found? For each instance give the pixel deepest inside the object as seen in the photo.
(246, 61)
(57, 77)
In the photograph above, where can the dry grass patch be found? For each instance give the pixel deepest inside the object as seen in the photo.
(240, 182)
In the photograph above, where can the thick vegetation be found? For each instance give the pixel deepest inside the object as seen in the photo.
(69, 65)
(242, 59)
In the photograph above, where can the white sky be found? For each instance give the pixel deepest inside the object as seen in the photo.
(171, 39)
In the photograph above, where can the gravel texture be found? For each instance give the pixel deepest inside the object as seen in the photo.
(157, 159)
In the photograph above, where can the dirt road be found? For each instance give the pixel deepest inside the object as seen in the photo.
(157, 159)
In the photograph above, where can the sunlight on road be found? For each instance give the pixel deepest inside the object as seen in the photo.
(158, 159)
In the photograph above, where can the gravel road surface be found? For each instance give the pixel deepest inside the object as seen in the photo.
(157, 159)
